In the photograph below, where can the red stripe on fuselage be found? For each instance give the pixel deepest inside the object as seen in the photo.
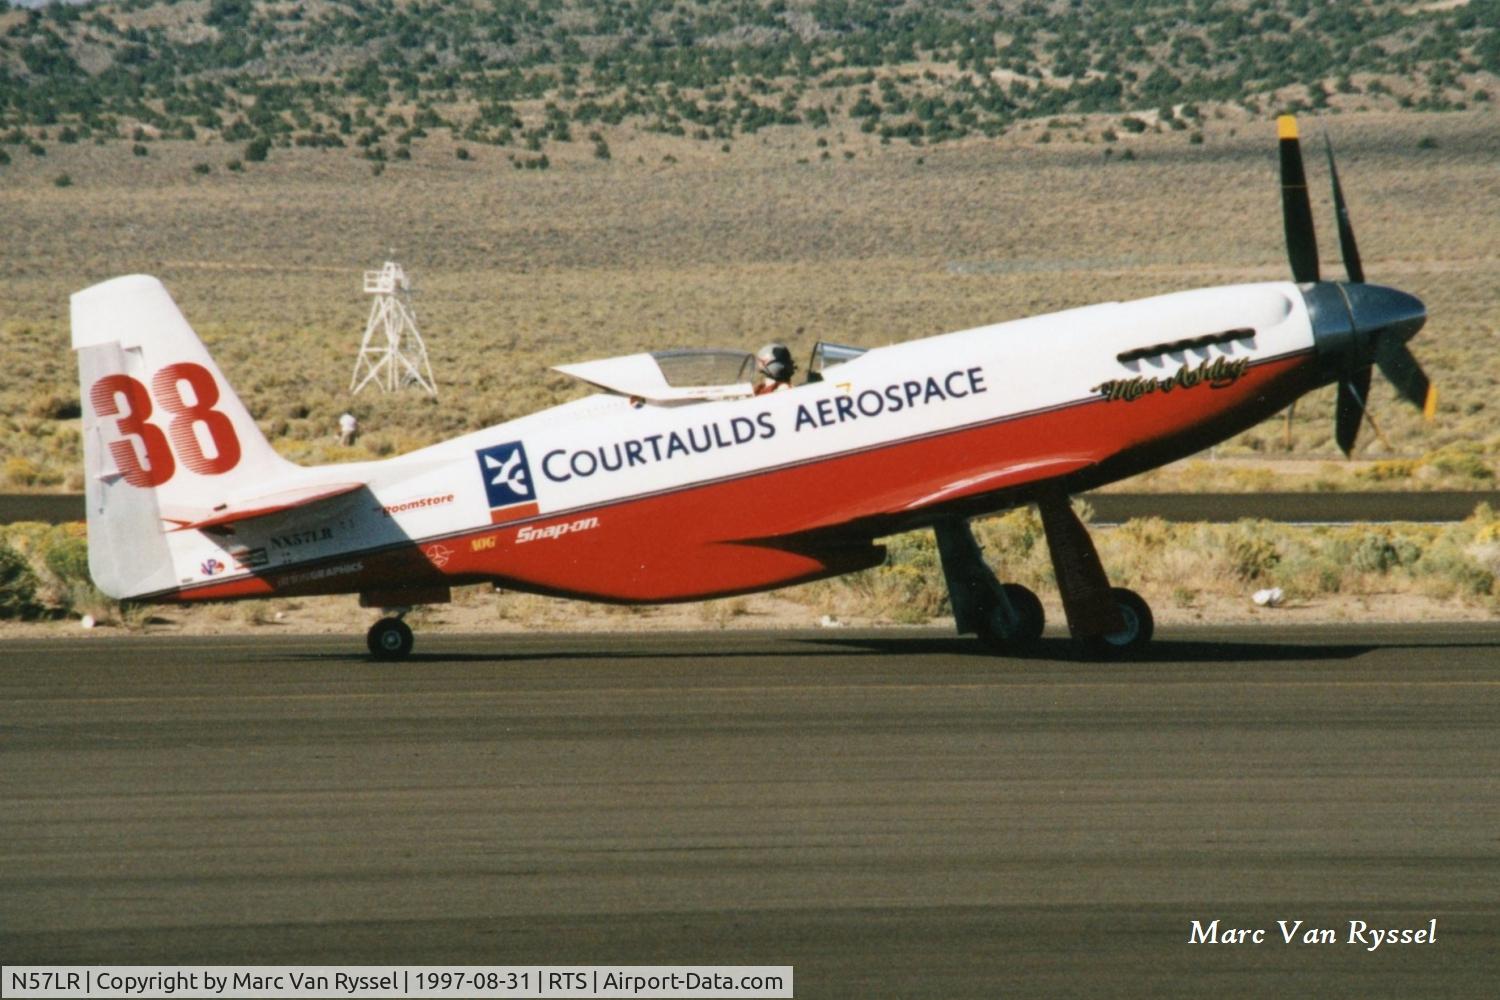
(518, 513)
(699, 540)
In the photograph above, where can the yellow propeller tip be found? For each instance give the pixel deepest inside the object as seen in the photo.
(1286, 127)
(1429, 405)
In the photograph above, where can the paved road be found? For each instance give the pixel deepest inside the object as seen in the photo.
(1307, 508)
(49, 508)
(1108, 507)
(890, 813)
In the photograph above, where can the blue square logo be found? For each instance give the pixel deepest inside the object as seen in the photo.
(507, 477)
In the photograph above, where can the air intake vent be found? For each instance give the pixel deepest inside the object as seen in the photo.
(1137, 353)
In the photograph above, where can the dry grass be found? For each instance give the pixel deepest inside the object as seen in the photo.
(1181, 568)
(1188, 573)
(521, 269)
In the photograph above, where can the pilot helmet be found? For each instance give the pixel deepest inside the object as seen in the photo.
(775, 361)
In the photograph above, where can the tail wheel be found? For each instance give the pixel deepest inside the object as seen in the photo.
(390, 639)
(1001, 635)
(1139, 627)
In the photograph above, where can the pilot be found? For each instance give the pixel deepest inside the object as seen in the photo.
(773, 369)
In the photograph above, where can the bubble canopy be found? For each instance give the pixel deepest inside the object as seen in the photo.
(690, 374)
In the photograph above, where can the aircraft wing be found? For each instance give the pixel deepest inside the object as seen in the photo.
(910, 497)
(997, 478)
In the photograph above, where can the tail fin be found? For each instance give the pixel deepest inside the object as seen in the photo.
(164, 436)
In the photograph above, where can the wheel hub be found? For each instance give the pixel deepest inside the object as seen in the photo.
(1129, 632)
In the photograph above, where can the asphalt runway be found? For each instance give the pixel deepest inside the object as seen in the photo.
(894, 813)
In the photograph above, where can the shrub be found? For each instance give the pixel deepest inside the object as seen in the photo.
(202, 168)
(1379, 554)
(1461, 460)
(21, 471)
(65, 555)
(1252, 555)
(256, 150)
(1451, 570)
(1389, 469)
(1485, 524)
(17, 586)
(68, 558)
(909, 588)
(54, 407)
(1150, 534)
(62, 181)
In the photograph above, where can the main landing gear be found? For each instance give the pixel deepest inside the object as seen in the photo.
(1005, 616)
(1109, 621)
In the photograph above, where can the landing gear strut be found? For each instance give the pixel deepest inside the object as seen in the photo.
(390, 639)
(1108, 621)
(1003, 616)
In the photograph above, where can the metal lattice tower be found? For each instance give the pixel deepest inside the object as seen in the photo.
(392, 354)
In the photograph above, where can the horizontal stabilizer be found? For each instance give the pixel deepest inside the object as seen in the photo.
(239, 511)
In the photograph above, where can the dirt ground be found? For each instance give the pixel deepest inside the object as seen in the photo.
(520, 270)
(476, 610)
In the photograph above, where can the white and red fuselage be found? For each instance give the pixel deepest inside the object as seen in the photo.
(637, 500)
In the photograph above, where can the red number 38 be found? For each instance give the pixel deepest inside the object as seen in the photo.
(134, 421)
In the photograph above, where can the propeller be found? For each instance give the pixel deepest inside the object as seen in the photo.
(1356, 325)
(1399, 365)
(1296, 208)
(1347, 247)
(1349, 410)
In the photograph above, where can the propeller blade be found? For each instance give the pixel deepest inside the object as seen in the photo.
(1347, 246)
(1350, 411)
(1296, 208)
(1398, 364)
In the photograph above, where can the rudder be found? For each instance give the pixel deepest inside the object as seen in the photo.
(165, 438)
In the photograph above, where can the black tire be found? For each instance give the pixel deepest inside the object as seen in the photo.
(390, 639)
(1139, 627)
(1028, 608)
(1028, 629)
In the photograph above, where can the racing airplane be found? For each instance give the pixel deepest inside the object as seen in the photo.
(676, 482)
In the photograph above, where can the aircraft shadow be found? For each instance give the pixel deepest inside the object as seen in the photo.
(1063, 650)
(1046, 650)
